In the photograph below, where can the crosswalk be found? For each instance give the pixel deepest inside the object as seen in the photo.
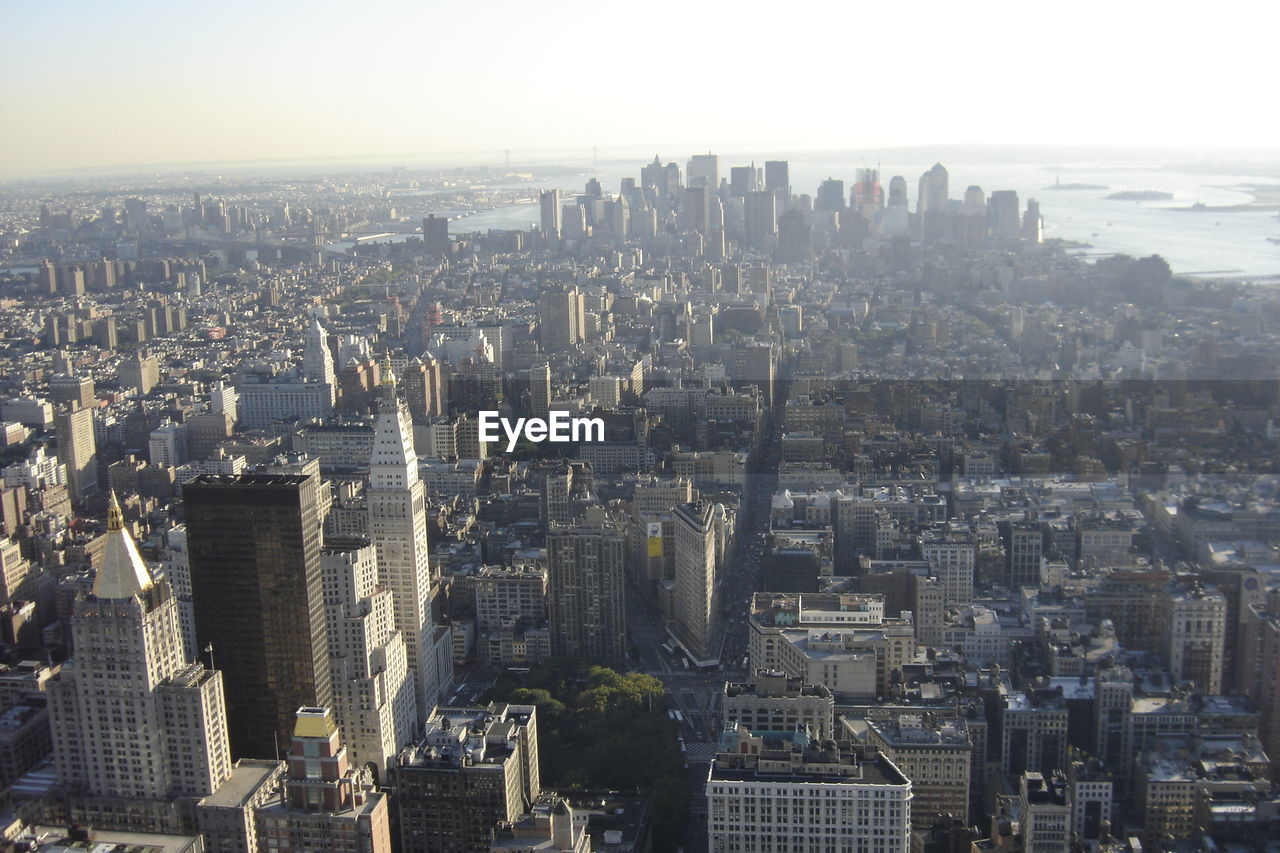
(700, 752)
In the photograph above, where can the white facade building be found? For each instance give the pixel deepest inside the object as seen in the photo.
(953, 554)
(374, 701)
(167, 445)
(768, 794)
(317, 360)
(1195, 636)
(262, 403)
(131, 717)
(39, 470)
(398, 530)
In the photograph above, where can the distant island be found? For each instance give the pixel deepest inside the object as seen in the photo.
(1140, 195)
(1063, 243)
(1077, 187)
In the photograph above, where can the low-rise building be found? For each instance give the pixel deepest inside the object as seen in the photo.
(770, 793)
(773, 702)
(472, 769)
(935, 754)
(325, 802)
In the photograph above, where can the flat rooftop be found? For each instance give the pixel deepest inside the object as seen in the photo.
(247, 777)
(877, 771)
(54, 839)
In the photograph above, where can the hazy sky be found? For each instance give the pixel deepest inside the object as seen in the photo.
(88, 83)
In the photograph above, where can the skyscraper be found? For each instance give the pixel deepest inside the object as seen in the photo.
(1260, 666)
(540, 389)
(703, 171)
(931, 202)
(897, 191)
(586, 569)
(974, 227)
(398, 530)
(131, 717)
(795, 237)
(655, 175)
(549, 209)
(435, 235)
(933, 192)
(373, 693)
(830, 196)
(742, 180)
(317, 359)
(1194, 635)
(1003, 215)
(777, 178)
(674, 180)
(573, 222)
(756, 364)
(47, 279)
(561, 317)
(78, 450)
(760, 219)
(696, 556)
(254, 547)
(975, 201)
(1032, 222)
(424, 389)
(1024, 553)
(619, 217)
(867, 196)
(696, 213)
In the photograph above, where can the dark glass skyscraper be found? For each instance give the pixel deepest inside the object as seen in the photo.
(256, 582)
(777, 176)
(830, 196)
(742, 180)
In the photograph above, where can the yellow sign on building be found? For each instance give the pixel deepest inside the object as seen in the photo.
(654, 533)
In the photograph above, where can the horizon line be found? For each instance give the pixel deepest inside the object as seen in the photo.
(555, 156)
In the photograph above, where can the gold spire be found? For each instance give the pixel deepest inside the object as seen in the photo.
(115, 517)
(388, 375)
(123, 573)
